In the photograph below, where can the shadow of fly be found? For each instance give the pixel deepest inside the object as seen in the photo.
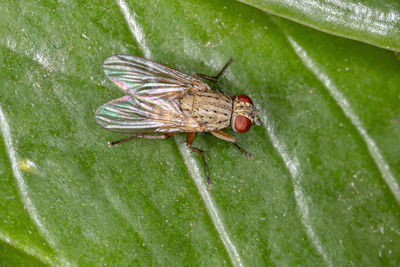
(162, 101)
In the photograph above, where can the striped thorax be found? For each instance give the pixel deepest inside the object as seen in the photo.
(210, 109)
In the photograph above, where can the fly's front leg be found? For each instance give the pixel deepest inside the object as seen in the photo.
(147, 136)
(189, 140)
(244, 152)
(224, 136)
(215, 78)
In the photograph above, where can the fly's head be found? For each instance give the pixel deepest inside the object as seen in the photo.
(244, 114)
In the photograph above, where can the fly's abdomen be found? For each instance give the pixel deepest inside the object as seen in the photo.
(210, 109)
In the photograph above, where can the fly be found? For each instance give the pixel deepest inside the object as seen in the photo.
(162, 101)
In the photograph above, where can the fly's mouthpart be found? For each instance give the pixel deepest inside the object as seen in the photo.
(255, 118)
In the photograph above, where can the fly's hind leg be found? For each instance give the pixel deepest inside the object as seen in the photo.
(224, 136)
(215, 78)
(189, 140)
(140, 135)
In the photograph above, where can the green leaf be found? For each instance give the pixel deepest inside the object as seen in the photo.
(322, 187)
(373, 22)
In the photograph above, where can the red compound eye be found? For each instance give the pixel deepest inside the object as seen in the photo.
(242, 124)
(244, 98)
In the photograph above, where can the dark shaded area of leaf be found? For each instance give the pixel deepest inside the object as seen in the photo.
(10, 256)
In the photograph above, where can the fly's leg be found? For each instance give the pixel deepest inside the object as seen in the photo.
(215, 78)
(244, 152)
(189, 140)
(224, 136)
(147, 136)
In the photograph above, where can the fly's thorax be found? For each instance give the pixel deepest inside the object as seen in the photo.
(243, 115)
(210, 109)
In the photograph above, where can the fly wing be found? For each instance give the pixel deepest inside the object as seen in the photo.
(138, 77)
(132, 115)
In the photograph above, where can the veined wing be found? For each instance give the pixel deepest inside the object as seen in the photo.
(131, 115)
(139, 77)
